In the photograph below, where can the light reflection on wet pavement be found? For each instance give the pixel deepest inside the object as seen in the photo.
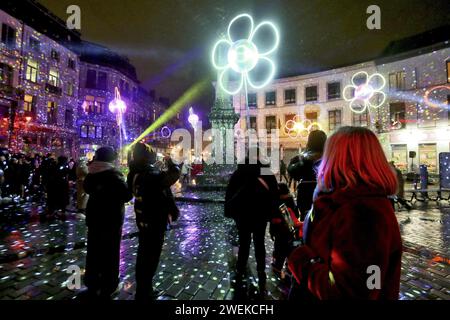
(198, 256)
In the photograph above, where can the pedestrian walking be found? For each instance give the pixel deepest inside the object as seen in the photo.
(352, 232)
(155, 208)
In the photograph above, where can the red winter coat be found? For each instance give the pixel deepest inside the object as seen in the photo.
(350, 231)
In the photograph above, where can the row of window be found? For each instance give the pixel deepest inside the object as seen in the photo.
(290, 95)
(91, 131)
(334, 120)
(32, 75)
(99, 80)
(8, 38)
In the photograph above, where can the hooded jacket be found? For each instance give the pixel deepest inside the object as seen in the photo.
(352, 233)
(108, 192)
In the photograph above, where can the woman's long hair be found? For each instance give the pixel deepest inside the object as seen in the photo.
(353, 156)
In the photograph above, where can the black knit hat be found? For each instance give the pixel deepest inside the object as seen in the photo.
(105, 154)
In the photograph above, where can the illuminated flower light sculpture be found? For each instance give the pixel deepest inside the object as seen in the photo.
(193, 119)
(244, 58)
(367, 94)
(118, 107)
(296, 128)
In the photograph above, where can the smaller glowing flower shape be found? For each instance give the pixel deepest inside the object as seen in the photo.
(166, 132)
(193, 118)
(367, 94)
(296, 127)
(243, 57)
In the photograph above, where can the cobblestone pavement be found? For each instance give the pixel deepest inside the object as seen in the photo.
(198, 256)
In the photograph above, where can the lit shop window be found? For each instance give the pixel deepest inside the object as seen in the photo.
(428, 156)
(448, 71)
(400, 156)
(32, 70)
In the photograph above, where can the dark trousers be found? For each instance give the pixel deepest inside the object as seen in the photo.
(151, 240)
(103, 259)
(281, 247)
(246, 232)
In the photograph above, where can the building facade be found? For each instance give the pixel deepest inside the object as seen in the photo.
(405, 122)
(39, 95)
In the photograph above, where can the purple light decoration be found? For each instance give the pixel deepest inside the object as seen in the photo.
(118, 107)
(193, 118)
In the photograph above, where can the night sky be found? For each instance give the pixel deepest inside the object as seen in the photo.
(169, 41)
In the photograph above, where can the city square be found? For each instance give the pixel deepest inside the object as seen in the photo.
(212, 152)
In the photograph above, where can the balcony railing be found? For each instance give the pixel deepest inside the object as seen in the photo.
(53, 89)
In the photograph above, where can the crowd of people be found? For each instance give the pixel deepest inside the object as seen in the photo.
(340, 224)
(41, 178)
(341, 227)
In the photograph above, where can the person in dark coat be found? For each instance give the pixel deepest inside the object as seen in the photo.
(108, 192)
(57, 188)
(155, 208)
(303, 168)
(251, 200)
(279, 230)
(353, 246)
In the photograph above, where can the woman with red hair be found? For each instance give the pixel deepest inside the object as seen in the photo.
(352, 239)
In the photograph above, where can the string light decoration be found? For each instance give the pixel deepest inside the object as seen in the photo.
(366, 94)
(296, 127)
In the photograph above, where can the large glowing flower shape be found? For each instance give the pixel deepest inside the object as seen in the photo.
(366, 94)
(296, 128)
(244, 56)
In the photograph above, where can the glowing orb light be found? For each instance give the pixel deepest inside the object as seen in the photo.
(367, 94)
(243, 57)
(296, 127)
(193, 118)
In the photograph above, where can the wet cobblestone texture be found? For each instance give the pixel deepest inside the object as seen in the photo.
(198, 255)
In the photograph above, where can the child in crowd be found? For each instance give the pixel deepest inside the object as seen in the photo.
(280, 230)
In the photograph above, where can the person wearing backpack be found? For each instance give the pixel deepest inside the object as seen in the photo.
(251, 200)
(155, 208)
